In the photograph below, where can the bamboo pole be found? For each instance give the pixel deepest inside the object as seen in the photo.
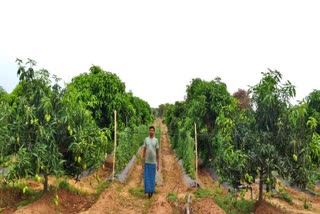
(115, 143)
(196, 148)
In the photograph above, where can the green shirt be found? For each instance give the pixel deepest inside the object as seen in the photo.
(151, 145)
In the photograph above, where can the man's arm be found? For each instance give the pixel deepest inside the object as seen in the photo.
(143, 156)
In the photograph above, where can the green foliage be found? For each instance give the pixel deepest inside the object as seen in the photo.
(181, 140)
(313, 109)
(47, 131)
(143, 114)
(202, 106)
(235, 136)
(185, 151)
(162, 110)
(204, 100)
(264, 135)
(271, 101)
(5, 110)
(303, 150)
(103, 92)
(4, 97)
(130, 140)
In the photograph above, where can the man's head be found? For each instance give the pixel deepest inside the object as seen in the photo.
(151, 131)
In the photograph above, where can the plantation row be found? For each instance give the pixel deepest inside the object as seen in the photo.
(49, 130)
(255, 134)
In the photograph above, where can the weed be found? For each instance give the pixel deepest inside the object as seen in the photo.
(138, 192)
(172, 197)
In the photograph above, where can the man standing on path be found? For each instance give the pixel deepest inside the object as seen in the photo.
(150, 161)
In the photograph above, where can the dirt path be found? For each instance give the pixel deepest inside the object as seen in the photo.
(119, 198)
(171, 179)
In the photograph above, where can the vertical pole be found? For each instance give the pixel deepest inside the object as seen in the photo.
(196, 148)
(115, 143)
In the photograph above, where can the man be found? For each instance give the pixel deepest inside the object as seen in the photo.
(150, 161)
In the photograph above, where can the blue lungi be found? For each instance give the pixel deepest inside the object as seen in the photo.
(149, 177)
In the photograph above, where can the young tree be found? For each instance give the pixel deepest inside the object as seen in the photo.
(271, 100)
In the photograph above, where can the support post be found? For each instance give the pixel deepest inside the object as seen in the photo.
(196, 149)
(115, 143)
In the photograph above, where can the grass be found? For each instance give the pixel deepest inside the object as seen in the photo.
(65, 185)
(228, 203)
(286, 197)
(21, 194)
(232, 206)
(33, 197)
(102, 186)
(172, 197)
(203, 193)
(148, 204)
(138, 192)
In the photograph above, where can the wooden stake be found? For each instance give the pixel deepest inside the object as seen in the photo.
(115, 143)
(196, 148)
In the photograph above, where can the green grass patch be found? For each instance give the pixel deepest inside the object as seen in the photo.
(138, 192)
(18, 195)
(218, 191)
(286, 197)
(147, 204)
(32, 198)
(203, 193)
(232, 206)
(102, 186)
(65, 185)
(172, 197)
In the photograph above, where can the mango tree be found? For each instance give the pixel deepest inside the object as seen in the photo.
(204, 100)
(5, 110)
(271, 101)
(103, 92)
(303, 150)
(234, 138)
(313, 108)
(44, 127)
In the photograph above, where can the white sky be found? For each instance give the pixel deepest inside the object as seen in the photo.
(157, 47)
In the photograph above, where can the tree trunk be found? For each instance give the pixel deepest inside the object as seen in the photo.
(45, 183)
(261, 185)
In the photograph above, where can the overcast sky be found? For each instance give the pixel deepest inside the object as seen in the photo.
(158, 47)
